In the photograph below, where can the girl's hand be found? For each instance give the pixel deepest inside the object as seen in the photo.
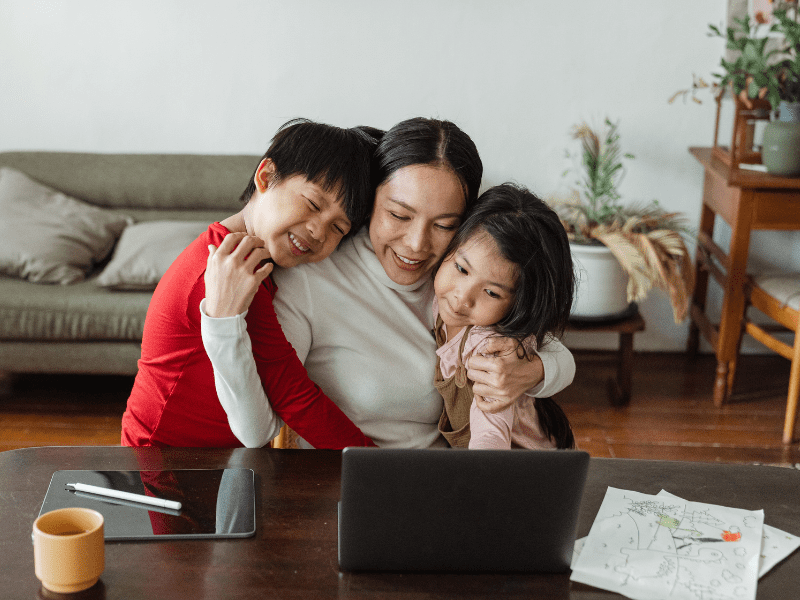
(499, 379)
(232, 277)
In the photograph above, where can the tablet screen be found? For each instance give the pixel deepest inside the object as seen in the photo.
(215, 503)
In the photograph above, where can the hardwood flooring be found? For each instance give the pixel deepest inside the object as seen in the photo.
(670, 416)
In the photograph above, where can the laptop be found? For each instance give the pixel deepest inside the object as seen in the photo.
(459, 510)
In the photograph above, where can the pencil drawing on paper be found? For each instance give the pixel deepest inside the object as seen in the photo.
(679, 549)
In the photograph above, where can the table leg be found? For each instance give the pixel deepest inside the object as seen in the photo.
(721, 383)
(701, 280)
(624, 370)
(733, 303)
(625, 365)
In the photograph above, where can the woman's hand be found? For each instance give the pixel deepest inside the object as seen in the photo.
(500, 377)
(232, 274)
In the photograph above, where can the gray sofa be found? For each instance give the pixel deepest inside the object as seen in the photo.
(81, 327)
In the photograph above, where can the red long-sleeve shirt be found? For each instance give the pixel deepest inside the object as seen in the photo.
(174, 401)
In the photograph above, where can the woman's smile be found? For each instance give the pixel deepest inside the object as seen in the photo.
(408, 264)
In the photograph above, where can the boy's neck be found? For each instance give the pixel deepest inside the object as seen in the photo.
(236, 222)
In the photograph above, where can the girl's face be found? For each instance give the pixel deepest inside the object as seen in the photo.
(416, 214)
(298, 220)
(475, 285)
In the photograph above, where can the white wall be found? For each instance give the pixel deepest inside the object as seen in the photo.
(219, 77)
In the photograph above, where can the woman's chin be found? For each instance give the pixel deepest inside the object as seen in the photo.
(403, 277)
(403, 274)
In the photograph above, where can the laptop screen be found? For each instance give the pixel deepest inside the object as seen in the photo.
(459, 510)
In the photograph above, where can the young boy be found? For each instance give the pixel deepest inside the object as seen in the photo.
(311, 189)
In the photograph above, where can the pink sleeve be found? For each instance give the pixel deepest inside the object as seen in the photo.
(490, 431)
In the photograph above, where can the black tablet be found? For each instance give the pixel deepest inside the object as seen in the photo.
(215, 503)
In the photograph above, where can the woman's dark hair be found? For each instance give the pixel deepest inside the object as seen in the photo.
(421, 141)
(331, 157)
(529, 234)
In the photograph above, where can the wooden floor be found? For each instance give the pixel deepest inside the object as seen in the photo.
(671, 415)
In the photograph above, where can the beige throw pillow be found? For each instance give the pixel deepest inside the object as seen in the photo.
(49, 237)
(145, 251)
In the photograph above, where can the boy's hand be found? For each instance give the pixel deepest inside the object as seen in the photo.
(232, 274)
(500, 375)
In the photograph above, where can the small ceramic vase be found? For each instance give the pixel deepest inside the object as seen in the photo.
(781, 145)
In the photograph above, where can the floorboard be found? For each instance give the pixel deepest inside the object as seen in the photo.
(671, 415)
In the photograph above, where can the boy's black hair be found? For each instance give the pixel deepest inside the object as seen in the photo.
(529, 234)
(332, 157)
(422, 141)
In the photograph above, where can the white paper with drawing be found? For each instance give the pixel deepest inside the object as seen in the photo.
(654, 547)
(775, 544)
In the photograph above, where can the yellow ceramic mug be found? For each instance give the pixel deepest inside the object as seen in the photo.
(69, 549)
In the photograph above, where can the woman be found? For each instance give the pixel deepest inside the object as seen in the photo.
(361, 320)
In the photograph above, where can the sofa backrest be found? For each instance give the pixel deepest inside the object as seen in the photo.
(146, 185)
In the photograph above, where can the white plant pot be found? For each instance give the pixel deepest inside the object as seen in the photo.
(602, 291)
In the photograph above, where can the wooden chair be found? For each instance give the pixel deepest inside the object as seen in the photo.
(287, 438)
(778, 297)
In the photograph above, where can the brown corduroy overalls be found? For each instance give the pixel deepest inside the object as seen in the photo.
(456, 392)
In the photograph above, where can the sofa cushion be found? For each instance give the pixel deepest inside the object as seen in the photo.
(83, 311)
(145, 251)
(143, 181)
(49, 237)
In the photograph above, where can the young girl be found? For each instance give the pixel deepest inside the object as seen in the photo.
(508, 272)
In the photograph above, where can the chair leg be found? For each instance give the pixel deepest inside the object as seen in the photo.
(282, 441)
(794, 392)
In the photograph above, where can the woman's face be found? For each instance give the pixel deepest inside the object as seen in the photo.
(417, 211)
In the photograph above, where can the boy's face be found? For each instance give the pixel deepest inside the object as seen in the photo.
(299, 221)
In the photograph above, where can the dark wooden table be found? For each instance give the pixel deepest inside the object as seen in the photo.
(748, 201)
(294, 555)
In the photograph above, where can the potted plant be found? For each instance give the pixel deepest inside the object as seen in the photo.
(781, 144)
(621, 251)
(765, 72)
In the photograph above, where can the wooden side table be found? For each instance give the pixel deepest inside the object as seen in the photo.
(619, 391)
(747, 201)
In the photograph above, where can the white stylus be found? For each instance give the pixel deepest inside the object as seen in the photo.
(102, 491)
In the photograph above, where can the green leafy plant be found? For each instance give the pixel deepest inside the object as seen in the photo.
(646, 240)
(765, 67)
(789, 78)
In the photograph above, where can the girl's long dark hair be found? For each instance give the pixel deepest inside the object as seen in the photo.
(554, 423)
(530, 235)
